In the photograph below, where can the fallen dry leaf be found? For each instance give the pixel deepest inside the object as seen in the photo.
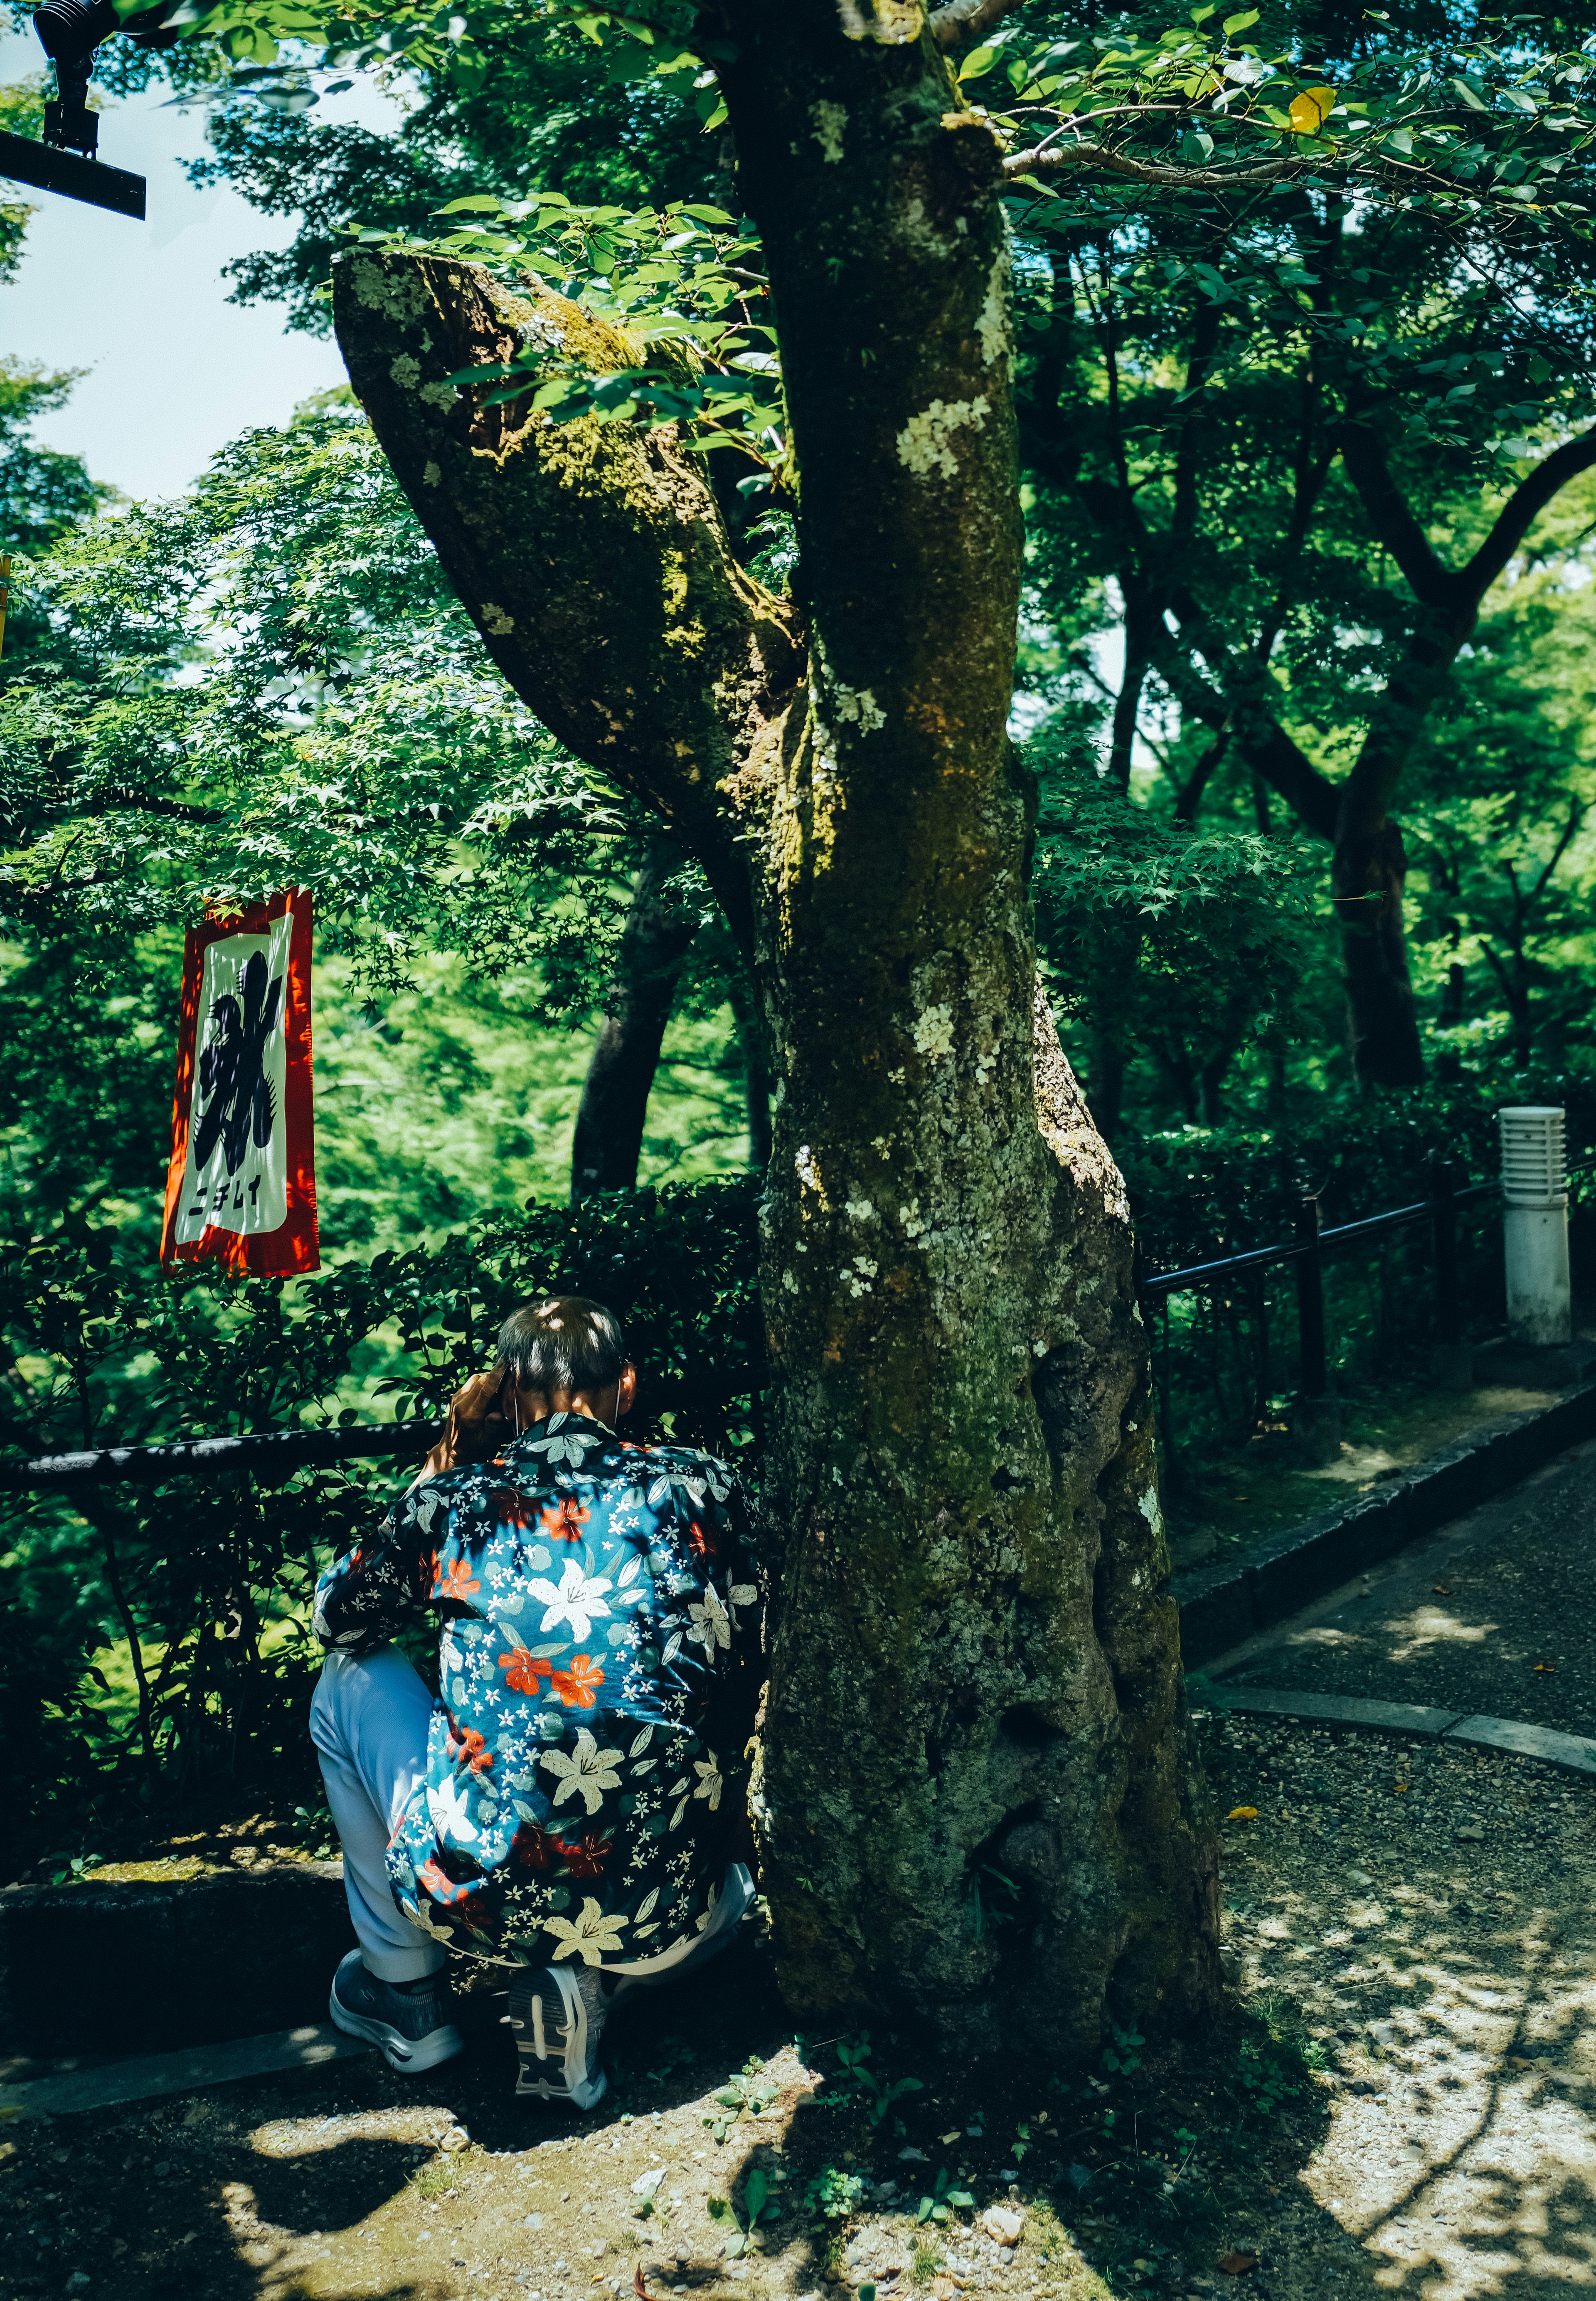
(1549, 1668)
(637, 2286)
(1242, 1814)
(1237, 2264)
(1441, 1589)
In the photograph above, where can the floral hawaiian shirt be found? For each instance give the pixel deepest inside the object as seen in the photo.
(599, 1675)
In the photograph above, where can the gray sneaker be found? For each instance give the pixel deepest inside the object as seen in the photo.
(403, 2018)
(556, 2017)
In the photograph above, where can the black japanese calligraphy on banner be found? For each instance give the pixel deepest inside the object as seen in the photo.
(241, 1184)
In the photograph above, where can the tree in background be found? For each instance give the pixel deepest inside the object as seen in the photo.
(263, 672)
(1304, 428)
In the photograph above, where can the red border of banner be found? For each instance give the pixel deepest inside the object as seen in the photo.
(294, 1244)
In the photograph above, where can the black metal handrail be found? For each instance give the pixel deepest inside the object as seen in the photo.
(1175, 1281)
(279, 1452)
(283, 1451)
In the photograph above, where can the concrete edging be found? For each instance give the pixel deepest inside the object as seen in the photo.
(1222, 1606)
(1575, 1753)
(150, 2075)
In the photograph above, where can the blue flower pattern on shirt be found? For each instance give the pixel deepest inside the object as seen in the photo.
(598, 1676)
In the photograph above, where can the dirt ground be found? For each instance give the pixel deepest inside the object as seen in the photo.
(1402, 2099)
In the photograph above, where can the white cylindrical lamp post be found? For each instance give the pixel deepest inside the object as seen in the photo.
(1535, 1228)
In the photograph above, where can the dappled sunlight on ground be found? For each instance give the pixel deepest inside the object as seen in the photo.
(1429, 1625)
(1451, 1984)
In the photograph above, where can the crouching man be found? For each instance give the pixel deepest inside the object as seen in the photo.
(571, 1802)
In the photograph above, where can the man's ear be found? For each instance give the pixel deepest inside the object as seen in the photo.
(626, 1394)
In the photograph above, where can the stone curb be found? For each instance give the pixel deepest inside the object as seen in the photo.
(211, 1956)
(1222, 1606)
(150, 2075)
(1573, 1752)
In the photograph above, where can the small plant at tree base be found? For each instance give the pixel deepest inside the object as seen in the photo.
(938, 2205)
(926, 2262)
(746, 2090)
(756, 2204)
(860, 2084)
(1124, 2055)
(833, 2194)
(993, 1906)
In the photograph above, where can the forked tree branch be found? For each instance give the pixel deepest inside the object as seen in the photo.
(1528, 499)
(1393, 523)
(591, 555)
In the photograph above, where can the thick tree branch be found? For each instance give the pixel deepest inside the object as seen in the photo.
(1528, 501)
(1388, 515)
(1048, 159)
(591, 555)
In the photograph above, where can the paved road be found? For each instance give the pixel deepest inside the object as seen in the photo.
(1461, 1620)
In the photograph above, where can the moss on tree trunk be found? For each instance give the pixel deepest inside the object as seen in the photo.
(975, 1672)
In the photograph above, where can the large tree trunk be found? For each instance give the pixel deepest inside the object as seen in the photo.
(976, 1658)
(608, 1138)
(1368, 873)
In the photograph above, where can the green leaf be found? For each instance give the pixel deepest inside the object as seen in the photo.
(716, 216)
(1233, 24)
(962, 2199)
(755, 2191)
(977, 64)
(735, 2245)
(1466, 95)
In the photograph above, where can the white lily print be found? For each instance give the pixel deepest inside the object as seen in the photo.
(450, 1816)
(593, 1935)
(565, 1445)
(578, 1599)
(711, 1780)
(586, 1775)
(711, 1623)
(692, 1487)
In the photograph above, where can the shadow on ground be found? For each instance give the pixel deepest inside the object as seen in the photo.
(1400, 2100)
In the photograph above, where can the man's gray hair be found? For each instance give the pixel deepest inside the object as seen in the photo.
(565, 1344)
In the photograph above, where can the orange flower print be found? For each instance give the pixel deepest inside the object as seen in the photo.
(703, 1541)
(455, 1582)
(510, 1506)
(564, 1522)
(522, 1671)
(466, 1742)
(584, 1857)
(577, 1686)
(433, 1882)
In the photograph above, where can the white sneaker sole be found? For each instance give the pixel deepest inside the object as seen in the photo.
(408, 2055)
(587, 2092)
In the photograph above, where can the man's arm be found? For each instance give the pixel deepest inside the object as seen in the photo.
(366, 1595)
(372, 1591)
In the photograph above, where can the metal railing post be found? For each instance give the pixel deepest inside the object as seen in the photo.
(1318, 1419)
(1451, 1359)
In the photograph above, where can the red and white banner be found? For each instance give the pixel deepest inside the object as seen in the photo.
(241, 1188)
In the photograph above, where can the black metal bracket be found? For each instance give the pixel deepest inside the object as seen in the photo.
(65, 161)
(49, 169)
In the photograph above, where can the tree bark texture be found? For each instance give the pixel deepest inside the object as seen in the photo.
(975, 1657)
(607, 1141)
